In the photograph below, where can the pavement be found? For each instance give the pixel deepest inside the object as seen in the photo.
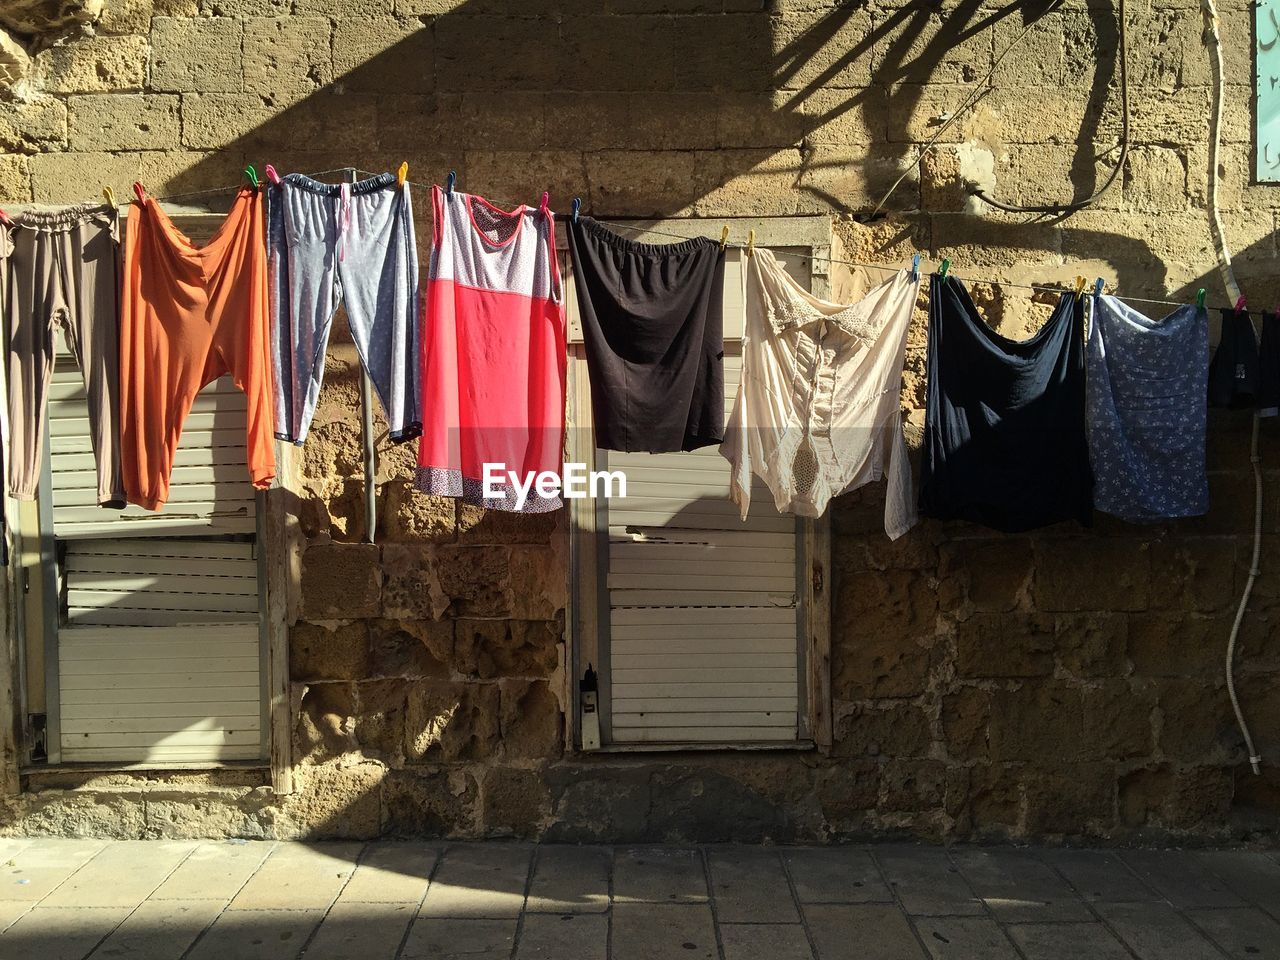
(65, 899)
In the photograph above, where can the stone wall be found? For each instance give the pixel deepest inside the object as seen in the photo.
(1066, 684)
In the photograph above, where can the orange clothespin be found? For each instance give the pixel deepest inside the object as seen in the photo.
(403, 173)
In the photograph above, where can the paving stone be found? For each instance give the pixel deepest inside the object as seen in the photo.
(965, 938)
(362, 931)
(40, 868)
(159, 929)
(1155, 931)
(927, 882)
(570, 880)
(299, 876)
(12, 846)
(777, 941)
(214, 871)
(478, 880)
(557, 937)
(1250, 873)
(433, 938)
(392, 873)
(659, 874)
(750, 886)
(256, 935)
(863, 930)
(1098, 877)
(659, 931)
(1243, 932)
(1018, 888)
(1181, 879)
(59, 933)
(836, 875)
(1066, 941)
(122, 875)
(11, 910)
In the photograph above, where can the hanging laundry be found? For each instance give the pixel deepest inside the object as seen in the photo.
(818, 411)
(1233, 371)
(493, 374)
(652, 325)
(1146, 411)
(61, 271)
(190, 315)
(1004, 436)
(351, 244)
(1269, 366)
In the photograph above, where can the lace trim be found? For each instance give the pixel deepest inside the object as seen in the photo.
(853, 320)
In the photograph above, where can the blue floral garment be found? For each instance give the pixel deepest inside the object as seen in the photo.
(1146, 410)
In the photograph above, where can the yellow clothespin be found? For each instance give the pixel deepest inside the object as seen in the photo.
(109, 195)
(1080, 282)
(751, 243)
(724, 236)
(402, 174)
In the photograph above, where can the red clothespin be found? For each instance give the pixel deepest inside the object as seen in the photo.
(546, 199)
(139, 192)
(1240, 305)
(272, 175)
(5, 219)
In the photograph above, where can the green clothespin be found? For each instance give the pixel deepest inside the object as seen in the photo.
(943, 268)
(251, 175)
(1200, 298)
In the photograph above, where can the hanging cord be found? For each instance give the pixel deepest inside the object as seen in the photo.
(1213, 47)
(1061, 209)
(979, 90)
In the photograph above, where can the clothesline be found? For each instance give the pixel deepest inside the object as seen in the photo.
(1039, 288)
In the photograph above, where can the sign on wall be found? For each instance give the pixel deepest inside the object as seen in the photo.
(1266, 89)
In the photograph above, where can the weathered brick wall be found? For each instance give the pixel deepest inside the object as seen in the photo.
(1061, 684)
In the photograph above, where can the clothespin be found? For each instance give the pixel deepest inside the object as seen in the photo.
(546, 200)
(943, 268)
(1097, 287)
(403, 173)
(448, 184)
(1200, 298)
(1080, 282)
(109, 195)
(1240, 305)
(577, 205)
(251, 175)
(139, 192)
(724, 236)
(915, 268)
(272, 175)
(751, 243)
(5, 219)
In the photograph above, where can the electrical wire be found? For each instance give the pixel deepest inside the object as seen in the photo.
(1061, 209)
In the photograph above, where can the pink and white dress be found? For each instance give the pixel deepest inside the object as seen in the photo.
(493, 353)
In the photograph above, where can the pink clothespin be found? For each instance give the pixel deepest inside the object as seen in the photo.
(272, 175)
(546, 198)
(1240, 304)
(139, 192)
(5, 219)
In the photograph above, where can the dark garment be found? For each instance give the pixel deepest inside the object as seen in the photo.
(1004, 434)
(1233, 371)
(1269, 366)
(651, 320)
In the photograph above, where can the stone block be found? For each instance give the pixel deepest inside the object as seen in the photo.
(127, 16)
(636, 53)
(476, 581)
(1077, 799)
(33, 126)
(642, 183)
(15, 180)
(382, 55)
(855, 179)
(1155, 179)
(892, 730)
(539, 586)
(381, 708)
(722, 53)
(995, 573)
(218, 120)
(994, 795)
(506, 648)
(1036, 721)
(411, 588)
(531, 721)
(765, 180)
(1196, 721)
(514, 803)
(424, 802)
(1193, 574)
(112, 121)
(823, 49)
(1005, 645)
(330, 801)
(912, 785)
(93, 65)
(1092, 644)
(411, 517)
(599, 803)
(451, 721)
(355, 9)
(474, 53)
(522, 176)
(328, 652)
(1040, 57)
(1117, 720)
(341, 580)
(287, 57)
(324, 722)
(477, 525)
(70, 177)
(410, 648)
(966, 712)
(1093, 574)
(202, 54)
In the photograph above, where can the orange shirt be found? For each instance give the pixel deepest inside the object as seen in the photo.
(188, 316)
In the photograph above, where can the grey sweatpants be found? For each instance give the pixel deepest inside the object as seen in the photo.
(61, 269)
(351, 244)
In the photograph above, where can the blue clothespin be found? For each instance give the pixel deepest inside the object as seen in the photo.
(577, 205)
(1097, 288)
(448, 185)
(915, 267)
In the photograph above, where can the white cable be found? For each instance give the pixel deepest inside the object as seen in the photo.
(1214, 46)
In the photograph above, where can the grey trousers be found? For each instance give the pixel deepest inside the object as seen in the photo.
(62, 269)
(349, 244)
